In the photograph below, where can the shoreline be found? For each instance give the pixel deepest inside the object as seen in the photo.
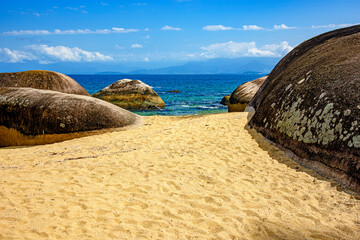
(176, 177)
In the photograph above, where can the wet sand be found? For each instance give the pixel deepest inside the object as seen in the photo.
(194, 177)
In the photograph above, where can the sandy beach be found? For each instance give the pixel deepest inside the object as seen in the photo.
(190, 177)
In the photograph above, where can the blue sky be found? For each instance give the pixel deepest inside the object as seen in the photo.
(127, 35)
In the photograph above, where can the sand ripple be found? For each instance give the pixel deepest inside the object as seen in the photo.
(203, 177)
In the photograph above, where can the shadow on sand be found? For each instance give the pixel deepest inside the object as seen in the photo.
(287, 158)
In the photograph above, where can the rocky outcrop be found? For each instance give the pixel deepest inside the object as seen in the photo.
(310, 105)
(225, 100)
(131, 94)
(243, 94)
(40, 79)
(32, 116)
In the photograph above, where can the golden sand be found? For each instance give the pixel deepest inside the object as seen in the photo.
(198, 177)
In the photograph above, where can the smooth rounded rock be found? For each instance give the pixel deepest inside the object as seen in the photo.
(310, 105)
(131, 94)
(41, 79)
(243, 94)
(225, 100)
(32, 116)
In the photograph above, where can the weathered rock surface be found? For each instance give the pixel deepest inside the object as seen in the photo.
(310, 105)
(243, 94)
(40, 79)
(32, 116)
(131, 94)
(225, 100)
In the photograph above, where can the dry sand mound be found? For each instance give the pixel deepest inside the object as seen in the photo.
(199, 177)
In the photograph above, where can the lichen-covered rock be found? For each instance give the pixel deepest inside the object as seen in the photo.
(243, 94)
(225, 100)
(32, 116)
(131, 94)
(40, 79)
(310, 105)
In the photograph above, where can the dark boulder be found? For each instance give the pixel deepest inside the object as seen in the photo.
(243, 94)
(310, 105)
(40, 79)
(32, 116)
(225, 100)
(131, 94)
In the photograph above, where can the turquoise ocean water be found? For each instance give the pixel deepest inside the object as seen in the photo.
(199, 94)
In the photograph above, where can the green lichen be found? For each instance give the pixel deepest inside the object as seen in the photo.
(356, 141)
(323, 128)
(338, 127)
(308, 137)
(347, 112)
(315, 125)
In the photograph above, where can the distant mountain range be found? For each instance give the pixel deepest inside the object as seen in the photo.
(244, 65)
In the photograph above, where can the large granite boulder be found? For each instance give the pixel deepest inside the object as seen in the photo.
(310, 105)
(225, 100)
(40, 79)
(32, 116)
(243, 94)
(131, 94)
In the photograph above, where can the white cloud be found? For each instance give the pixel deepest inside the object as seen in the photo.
(119, 47)
(9, 56)
(169, 28)
(146, 29)
(140, 4)
(252, 27)
(58, 31)
(245, 49)
(105, 4)
(147, 37)
(278, 49)
(136, 45)
(47, 54)
(334, 25)
(63, 32)
(79, 9)
(218, 28)
(282, 26)
(66, 54)
(27, 32)
(123, 30)
(146, 59)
